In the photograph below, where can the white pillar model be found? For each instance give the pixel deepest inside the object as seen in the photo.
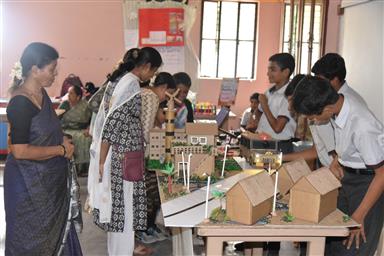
(207, 197)
(225, 158)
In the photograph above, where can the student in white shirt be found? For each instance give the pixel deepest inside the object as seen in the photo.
(248, 119)
(322, 135)
(359, 138)
(276, 119)
(332, 68)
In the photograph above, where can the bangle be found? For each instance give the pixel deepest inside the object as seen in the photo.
(64, 150)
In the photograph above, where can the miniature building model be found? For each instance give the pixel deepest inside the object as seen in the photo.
(201, 133)
(201, 140)
(157, 141)
(251, 143)
(290, 173)
(314, 196)
(197, 139)
(250, 199)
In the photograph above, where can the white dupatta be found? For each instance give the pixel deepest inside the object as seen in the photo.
(100, 192)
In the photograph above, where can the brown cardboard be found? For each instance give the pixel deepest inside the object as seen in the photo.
(314, 196)
(201, 128)
(323, 180)
(290, 173)
(250, 199)
(333, 219)
(235, 198)
(200, 163)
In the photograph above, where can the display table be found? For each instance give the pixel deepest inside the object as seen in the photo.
(277, 230)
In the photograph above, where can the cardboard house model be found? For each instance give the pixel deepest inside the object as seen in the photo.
(290, 173)
(250, 199)
(198, 139)
(314, 196)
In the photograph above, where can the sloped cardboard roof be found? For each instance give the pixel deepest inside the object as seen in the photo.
(297, 169)
(323, 180)
(258, 187)
(201, 128)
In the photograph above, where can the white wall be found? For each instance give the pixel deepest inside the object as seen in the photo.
(361, 45)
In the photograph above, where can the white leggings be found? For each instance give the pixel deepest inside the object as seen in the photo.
(123, 243)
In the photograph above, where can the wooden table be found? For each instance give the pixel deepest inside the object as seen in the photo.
(314, 234)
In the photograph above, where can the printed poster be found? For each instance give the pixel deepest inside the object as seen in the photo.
(228, 91)
(173, 58)
(161, 27)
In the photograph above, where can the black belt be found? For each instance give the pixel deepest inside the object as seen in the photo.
(359, 171)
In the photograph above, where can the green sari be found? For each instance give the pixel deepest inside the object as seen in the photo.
(75, 121)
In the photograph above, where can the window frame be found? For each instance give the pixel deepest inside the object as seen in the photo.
(203, 140)
(300, 41)
(217, 39)
(194, 138)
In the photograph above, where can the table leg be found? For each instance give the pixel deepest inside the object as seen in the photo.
(182, 243)
(316, 246)
(253, 252)
(214, 246)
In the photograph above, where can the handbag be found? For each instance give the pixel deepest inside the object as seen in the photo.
(133, 166)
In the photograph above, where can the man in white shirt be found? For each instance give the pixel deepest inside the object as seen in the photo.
(359, 140)
(276, 119)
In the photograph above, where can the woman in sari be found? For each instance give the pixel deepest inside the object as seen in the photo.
(119, 206)
(70, 80)
(36, 176)
(75, 121)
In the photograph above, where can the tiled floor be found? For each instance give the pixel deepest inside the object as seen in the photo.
(94, 241)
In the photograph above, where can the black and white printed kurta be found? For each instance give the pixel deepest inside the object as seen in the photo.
(123, 131)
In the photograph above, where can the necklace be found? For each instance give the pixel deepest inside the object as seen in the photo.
(35, 97)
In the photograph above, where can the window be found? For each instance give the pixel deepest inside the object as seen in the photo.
(203, 140)
(303, 34)
(228, 39)
(194, 140)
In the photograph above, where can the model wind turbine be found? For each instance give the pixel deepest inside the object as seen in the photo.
(170, 124)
